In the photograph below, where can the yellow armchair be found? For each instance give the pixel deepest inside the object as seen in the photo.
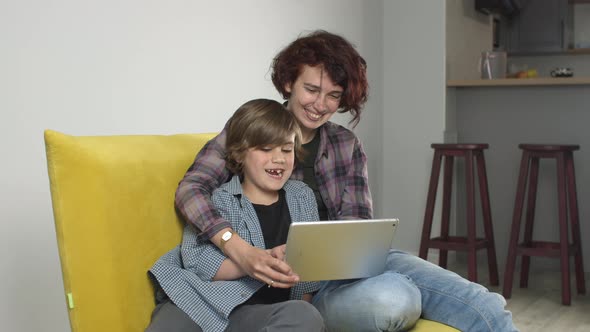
(114, 217)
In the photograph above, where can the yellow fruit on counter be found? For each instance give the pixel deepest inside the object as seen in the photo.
(531, 73)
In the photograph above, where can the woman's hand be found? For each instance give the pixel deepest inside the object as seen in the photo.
(264, 265)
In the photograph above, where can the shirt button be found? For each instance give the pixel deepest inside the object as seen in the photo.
(243, 295)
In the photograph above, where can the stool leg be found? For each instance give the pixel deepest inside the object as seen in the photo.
(514, 233)
(487, 218)
(430, 200)
(574, 217)
(563, 232)
(446, 208)
(471, 234)
(529, 220)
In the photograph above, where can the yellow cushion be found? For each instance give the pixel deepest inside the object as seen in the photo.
(114, 216)
(424, 325)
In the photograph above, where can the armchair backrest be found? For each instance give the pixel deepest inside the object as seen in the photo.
(114, 215)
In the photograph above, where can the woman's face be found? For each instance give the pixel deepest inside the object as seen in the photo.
(314, 99)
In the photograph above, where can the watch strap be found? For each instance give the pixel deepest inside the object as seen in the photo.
(223, 242)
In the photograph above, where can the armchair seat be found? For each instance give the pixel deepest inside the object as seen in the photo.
(112, 199)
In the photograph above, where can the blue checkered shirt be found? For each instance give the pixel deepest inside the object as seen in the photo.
(186, 272)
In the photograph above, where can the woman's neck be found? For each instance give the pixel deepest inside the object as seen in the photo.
(307, 135)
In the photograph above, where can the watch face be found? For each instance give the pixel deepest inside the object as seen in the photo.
(226, 236)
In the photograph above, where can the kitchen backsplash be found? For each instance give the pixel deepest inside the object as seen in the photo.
(582, 26)
(580, 64)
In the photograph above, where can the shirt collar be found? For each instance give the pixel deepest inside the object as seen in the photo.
(234, 186)
(324, 138)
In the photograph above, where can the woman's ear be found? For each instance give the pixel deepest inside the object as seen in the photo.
(288, 87)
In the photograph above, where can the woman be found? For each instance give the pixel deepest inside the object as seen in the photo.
(318, 75)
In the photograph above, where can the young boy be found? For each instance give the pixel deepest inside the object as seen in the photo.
(206, 290)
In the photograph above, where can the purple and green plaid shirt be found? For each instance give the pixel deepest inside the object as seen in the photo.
(341, 176)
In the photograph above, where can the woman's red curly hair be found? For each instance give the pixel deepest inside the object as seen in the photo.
(339, 59)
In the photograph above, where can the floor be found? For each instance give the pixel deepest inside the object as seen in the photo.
(538, 307)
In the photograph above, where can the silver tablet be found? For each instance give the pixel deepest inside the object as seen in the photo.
(339, 249)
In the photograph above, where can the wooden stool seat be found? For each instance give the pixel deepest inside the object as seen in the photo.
(549, 147)
(567, 196)
(459, 146)
(469, 243)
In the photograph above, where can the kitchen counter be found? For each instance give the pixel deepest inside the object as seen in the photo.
(543, 81)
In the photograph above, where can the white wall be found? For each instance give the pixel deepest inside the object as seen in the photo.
(152, 67)
(414, 109)
(137, 67)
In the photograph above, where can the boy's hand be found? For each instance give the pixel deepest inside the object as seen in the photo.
(278, 252)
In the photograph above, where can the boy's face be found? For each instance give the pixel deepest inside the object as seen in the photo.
(314, 99)
(266, 169)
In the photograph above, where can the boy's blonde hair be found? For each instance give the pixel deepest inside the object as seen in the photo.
(259, 123)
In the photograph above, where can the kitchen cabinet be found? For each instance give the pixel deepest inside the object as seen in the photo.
(542, 26)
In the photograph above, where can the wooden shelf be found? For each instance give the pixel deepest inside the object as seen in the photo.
(571, 51)
(578, 51)
(541, 81)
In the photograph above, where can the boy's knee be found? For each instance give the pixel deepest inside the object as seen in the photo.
(303, 308)
(306, 316)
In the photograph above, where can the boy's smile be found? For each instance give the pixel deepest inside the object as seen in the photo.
(266, 169)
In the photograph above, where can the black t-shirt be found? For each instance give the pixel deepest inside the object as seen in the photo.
(311, 152)
(274, 220)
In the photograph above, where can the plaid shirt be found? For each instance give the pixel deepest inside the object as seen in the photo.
(185, 273)
(341, 175)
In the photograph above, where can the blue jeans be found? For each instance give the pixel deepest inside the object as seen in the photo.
(411, 287)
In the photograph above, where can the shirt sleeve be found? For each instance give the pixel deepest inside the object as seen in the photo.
(193, 195)
(200, 255)
(357, 202)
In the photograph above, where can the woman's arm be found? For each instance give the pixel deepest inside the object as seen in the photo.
(231, 271)
(264, 265)
(193, 195)
(356, 198)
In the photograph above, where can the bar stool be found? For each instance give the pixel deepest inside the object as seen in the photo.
(566, 191)
(469, 243)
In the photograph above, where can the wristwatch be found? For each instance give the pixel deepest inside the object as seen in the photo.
(225, 237)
